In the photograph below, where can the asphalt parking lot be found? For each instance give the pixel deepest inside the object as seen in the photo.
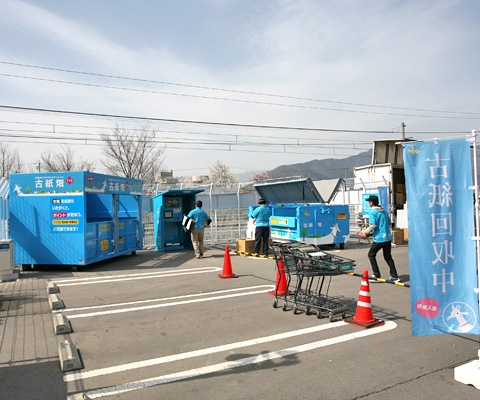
(163, 325)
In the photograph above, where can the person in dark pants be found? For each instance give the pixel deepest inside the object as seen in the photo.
(379, 228)
(262, 231)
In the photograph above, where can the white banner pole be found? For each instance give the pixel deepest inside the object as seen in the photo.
(469, 374)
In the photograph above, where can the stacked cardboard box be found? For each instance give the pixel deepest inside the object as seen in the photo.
(245, 245)
(397, 235)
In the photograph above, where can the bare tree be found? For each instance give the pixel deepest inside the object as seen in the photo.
(9, 160)
(220, 174)
(63, 160)
(133, 153)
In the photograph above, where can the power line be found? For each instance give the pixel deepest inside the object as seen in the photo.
(129, 117)
(239, 100)
(171, 131)
(233, 90)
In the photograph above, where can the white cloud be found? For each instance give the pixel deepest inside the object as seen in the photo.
(414, 54)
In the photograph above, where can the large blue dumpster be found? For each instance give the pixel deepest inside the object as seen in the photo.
(299, 214)
(74, 217)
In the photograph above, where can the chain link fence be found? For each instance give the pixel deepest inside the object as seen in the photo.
(228, 210)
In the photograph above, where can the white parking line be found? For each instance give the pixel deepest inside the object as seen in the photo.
(127, 277)
(159, 380)
(270, 287)
(197, 353)
(175, 303)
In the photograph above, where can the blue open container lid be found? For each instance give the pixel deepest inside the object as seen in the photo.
(292, 191)
(178, 192)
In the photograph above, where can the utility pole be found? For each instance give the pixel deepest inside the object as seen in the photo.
(403, 130)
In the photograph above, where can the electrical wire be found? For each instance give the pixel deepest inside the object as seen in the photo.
(233, 90)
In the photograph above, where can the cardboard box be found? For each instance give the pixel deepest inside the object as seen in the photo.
(405, 234)
(245, 245)
(400, 198)
(248, 245)
(397, 236)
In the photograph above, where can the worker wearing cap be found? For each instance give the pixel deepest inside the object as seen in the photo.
(262, 227)
(379, 229)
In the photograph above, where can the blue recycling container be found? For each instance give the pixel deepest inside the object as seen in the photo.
(74, 217)
(299, 214)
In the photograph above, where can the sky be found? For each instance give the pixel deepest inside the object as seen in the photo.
(254, 84)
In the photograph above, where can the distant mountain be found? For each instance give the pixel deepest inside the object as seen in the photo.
(329, 168)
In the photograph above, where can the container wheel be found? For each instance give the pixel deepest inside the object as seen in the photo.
(27, 267)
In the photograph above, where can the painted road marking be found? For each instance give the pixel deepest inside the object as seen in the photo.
(161, 299)
(159, 380)
(175, 303)
(126, 277)
(197, 353)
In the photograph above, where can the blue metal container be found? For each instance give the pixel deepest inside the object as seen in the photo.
(299, 214)
(74, 217)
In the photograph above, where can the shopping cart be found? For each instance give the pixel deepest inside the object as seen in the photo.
(285, 264)
(306, 269)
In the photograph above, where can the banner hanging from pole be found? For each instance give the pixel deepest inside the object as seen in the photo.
(442, 254)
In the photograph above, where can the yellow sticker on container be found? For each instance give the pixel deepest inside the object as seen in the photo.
(342, 216)
(104, 244)
(65, 222)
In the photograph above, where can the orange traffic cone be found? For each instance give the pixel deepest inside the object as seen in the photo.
(281, 280)
(227, 266)
(364, 315)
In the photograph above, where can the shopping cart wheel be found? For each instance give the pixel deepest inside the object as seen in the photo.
(295, 309)
(330, 316)
(319, 314)
(284, 308)
(344, 314)
(275, 303)
(307, 311)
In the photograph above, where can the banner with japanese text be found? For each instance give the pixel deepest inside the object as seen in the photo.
(442, 254)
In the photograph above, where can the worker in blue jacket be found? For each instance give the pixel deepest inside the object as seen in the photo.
(262, 227)
(197, 233)
(379, 229)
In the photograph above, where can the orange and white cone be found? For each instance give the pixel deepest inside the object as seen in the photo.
(281, 281)
(364, 314)
(227, 266)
